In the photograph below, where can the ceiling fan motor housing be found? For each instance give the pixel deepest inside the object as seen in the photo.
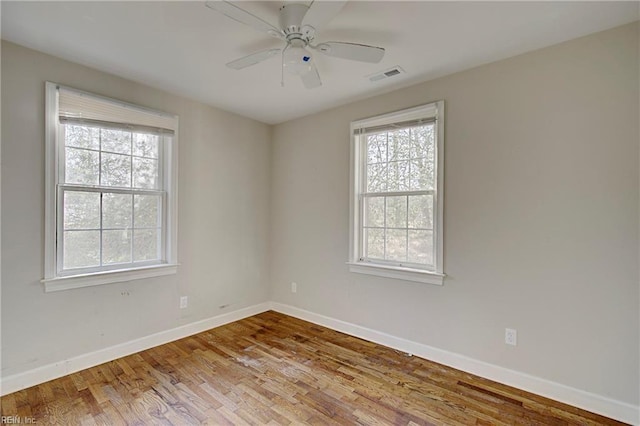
(291, 16)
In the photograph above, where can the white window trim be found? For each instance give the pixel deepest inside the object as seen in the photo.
(107, 277)
(53, 282)
(436, 276)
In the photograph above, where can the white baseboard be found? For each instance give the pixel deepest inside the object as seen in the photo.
(45, 373)
(578, 398)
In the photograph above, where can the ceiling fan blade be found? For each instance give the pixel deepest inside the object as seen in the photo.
(240, 15)
(311, 80)
(253, 59)
(321, 12)
(352, 51)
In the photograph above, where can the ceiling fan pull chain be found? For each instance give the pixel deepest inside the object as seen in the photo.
(282, 66)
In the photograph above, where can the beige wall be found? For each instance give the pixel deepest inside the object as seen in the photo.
(223, 222)
(541, 217)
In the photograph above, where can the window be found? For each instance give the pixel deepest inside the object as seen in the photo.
(111, 190)
(397, 193)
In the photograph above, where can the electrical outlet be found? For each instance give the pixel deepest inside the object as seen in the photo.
(184, 302)
(294, 287)
(510, 336)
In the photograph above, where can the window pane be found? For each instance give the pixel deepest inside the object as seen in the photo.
(396, 212)
(82, 136)
(116, 170)
(377, 148)
(81, 210)
(421, 247)
(145, 245)
(421, 211)
(396, 245)
(147, 211)
(398, 176)
(81, 166)
(377, 177)
(375, 211)
(81, 249)
(399, 145)
(374, 243)
(145, 173)
(116, 141)
(116, 246)
(145, 145)
(422, 177)
(422, 141)
(116, 211)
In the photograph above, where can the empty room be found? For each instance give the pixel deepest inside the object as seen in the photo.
(320, 212)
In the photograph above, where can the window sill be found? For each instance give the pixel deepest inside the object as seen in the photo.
(406, 274)
(107, 277)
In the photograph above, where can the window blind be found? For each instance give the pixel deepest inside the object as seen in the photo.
(77, 105)
(396, 120)
(393, 126)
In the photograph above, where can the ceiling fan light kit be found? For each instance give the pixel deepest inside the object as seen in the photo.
(298, 26)
(296, 60)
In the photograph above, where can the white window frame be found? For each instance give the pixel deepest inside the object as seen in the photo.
(54, 278)
(357, 263)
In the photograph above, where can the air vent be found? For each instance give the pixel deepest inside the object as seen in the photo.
(386, 74)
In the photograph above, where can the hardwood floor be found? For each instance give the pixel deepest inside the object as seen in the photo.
(275, 369)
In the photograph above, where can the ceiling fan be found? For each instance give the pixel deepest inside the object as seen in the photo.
(298, 26)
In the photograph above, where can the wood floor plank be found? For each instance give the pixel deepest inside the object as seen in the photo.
(272, 369)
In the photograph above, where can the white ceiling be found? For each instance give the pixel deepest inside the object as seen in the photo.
(182, 47)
